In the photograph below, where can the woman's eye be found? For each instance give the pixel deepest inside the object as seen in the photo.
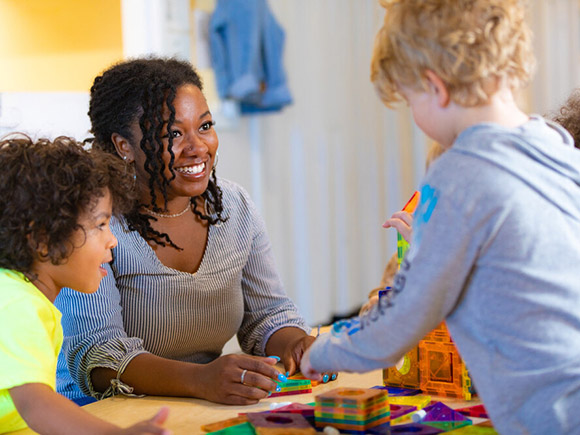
(207, 125)
(175, 133)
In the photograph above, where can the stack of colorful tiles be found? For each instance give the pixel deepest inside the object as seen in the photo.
(434, 367)
(300, 377)
(293, 386)
(352, 410)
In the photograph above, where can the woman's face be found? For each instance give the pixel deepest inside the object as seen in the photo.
(195, 144)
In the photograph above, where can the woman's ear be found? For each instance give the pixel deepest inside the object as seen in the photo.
(438, 87)
(123, 147)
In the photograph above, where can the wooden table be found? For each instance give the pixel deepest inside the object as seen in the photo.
(188, 415)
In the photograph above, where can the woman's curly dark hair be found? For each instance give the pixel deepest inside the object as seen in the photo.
(569, 116)
(45, 186)
(138, 91)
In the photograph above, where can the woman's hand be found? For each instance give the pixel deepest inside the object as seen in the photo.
(402, 221)
(237, 379)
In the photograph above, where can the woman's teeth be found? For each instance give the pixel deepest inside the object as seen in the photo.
(191, 169)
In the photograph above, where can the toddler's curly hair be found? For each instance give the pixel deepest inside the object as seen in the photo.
(45, 186)
(472, 45)
(569, 116)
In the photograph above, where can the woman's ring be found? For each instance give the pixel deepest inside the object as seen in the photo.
(243, 376)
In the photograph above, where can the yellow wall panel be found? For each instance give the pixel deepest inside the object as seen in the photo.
(57, 45)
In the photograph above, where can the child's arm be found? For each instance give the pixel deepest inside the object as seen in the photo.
(46, 412)
(425, 291)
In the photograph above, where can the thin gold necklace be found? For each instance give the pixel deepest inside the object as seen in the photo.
(162, 215)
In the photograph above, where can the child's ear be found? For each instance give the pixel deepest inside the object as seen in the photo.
(42, 251)
(123, 147)
(39, 247)
(438, 87)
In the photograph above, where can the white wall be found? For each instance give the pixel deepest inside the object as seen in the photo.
(45, 114)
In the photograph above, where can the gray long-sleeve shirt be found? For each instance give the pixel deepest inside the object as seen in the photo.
(144, 306)
(495, 252)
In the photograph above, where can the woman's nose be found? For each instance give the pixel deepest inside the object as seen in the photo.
(194, 145)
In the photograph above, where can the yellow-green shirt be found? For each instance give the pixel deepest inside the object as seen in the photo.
(30, 340)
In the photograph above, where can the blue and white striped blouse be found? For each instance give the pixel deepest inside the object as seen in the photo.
(144, 306)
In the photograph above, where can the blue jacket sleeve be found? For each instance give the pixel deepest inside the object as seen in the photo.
(235, 48)
(246, 45)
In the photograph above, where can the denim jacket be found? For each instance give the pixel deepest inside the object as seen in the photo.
(246, 50)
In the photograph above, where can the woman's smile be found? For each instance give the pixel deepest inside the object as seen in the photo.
(196, 171)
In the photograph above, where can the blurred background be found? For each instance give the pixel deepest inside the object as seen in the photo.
(325, 171)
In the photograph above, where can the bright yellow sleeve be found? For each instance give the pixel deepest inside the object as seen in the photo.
(30, 339)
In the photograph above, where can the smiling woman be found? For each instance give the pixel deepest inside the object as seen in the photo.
(193, 266)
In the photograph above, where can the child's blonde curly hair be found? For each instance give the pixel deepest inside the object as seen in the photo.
(472, 45)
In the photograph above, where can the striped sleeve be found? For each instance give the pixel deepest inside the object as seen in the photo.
(267, 308)
(144, 306)
(94, 333)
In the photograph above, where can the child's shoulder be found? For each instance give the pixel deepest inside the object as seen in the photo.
(11, 279)
(490, 164)
(504, 148)
(14, 287)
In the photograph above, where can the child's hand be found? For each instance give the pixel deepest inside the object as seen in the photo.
(402, 221)
(294, 353)
(44, 411)
(294, 357)
(151, 426)
(307, 369)
(373, 300)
